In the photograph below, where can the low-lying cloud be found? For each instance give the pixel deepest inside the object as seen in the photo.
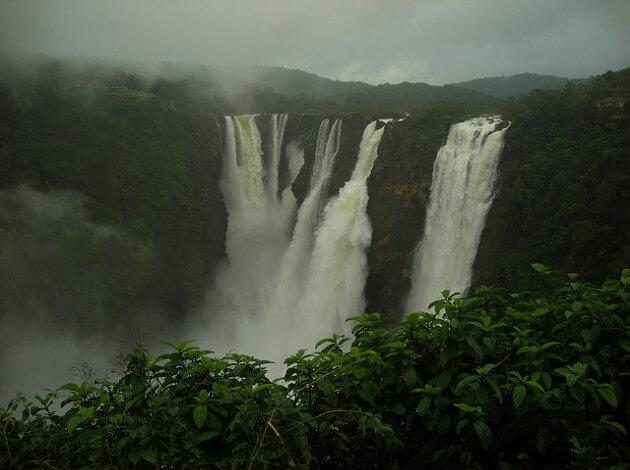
(60, 274)
(435, 41)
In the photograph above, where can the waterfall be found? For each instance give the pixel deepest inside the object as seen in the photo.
(292, 276)
(278, 124)
(462, 191)
(259, 222)
(335, 276)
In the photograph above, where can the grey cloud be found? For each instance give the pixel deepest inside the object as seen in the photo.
(436, 41)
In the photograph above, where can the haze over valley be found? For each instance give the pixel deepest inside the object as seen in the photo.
(316, 235)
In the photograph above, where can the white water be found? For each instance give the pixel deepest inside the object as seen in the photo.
(278, 124)
(258, 229)
(462, 191)
(335, 277)
(291, 276)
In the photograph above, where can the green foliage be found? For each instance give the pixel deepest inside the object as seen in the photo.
(515, 85)
(564, 197)
(142, 166)
(497, 379)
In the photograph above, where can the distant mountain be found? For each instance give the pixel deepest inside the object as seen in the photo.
(403, 96)
(516, 85)
(612, 84)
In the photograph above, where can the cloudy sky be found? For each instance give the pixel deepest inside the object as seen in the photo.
(435, 41)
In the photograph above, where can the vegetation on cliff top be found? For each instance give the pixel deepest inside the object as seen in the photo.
(564, 194)
(535, 379)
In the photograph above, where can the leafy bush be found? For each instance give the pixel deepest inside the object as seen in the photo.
(533, 379)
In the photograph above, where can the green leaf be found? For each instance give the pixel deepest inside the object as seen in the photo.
(263, 387)
(546, 378)
(220, 389)
(474, 345)
(579, 369)
(199, 414)
(148, 455)
(445, 356)
(527, 349)
(464, 383)
(550, 344)
(324, 341)
(618, 426)
(625, 277)
(490, 342)
(496, 390)
(518, 395)
(74, 422)
(203, 396)
(134, 457)
(70, 387)
(485, 370)
(409, 376)
(535, 386)
(104, 398)
(472, 303)
(398, 408)
(87, 412)
(540, 311)
(541, 268)
(443, 379)
(461, 425)
(568, 375)
(424, 405)
(609, 395)
(483, 433)
(468, 409)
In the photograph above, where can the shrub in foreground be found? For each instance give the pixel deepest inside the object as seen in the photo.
(534, 379)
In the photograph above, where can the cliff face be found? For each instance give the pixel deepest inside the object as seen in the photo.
(153, 170)
(398, 191)
(563, 198)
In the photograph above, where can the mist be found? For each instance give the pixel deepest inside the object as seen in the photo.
(314, 233)
(60, 278)
(374, 41)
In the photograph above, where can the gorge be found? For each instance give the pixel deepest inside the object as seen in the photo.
(343, 235)
(237, 231)
(294, 274)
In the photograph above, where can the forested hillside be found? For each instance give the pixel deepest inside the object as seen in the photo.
(516, 85)
(137, 164)
(146, 153)
(310, 90)
(564, 195)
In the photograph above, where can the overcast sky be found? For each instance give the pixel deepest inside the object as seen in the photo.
(434, 41)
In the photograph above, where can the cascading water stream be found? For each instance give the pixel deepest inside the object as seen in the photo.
(290, 283)
(259, 223)
(282, 289)
(278, 125)
(336, 273)
(462, 191)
